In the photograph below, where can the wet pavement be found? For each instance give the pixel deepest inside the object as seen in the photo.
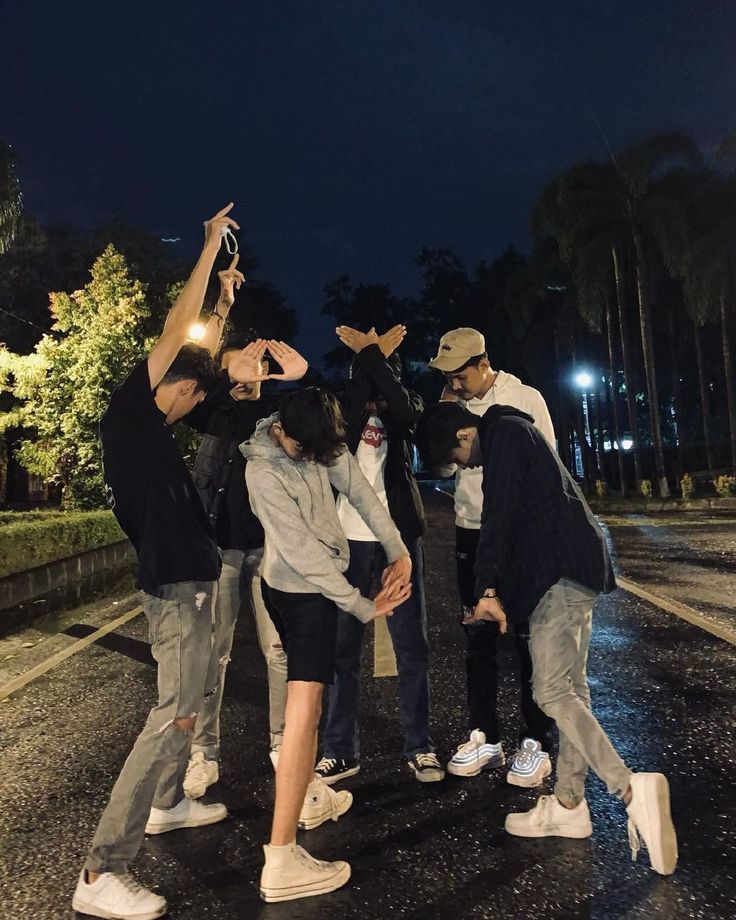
(687, 557)
(664, 689)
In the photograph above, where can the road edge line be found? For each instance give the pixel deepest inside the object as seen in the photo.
(675, 607)
(22, 680)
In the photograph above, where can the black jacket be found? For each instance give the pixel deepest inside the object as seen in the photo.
(536, 527)
(372, 374)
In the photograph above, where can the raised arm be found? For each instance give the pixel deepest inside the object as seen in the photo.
(188, 304)
(230, 281)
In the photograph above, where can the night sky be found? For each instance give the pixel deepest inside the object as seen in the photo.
(349, 133)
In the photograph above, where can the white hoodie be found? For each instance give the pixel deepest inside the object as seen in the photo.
(507, 390)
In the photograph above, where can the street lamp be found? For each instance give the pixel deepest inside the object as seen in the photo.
(583, 379)
(196, 332)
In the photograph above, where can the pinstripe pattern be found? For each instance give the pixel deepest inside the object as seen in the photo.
(537, 528)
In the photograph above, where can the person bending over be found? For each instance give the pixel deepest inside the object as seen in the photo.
(542, 556)
(294, 461)
(152, 495)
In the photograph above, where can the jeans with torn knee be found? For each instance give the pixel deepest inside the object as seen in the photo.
(180, 623)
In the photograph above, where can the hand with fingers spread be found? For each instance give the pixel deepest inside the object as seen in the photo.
(230, 281)
(488, 608)
(293, 365)
(216, 227)
(247, 365)
(390, 340)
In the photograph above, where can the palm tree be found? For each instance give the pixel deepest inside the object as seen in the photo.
(650, 213)
(10, 198)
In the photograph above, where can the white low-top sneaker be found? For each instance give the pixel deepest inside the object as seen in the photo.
(117, 897)
(550, 819)
(650, 821)
(322, 803)
(188, 813)
(476, 755)
(529, 766)
(200, 775)
(290, 872)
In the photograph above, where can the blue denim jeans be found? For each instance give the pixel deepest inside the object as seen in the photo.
(408, 629)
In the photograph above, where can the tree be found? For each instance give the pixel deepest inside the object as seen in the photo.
(66, 383)
(10, 198)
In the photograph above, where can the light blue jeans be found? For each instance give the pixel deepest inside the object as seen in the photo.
(240, 582)
(180, 624)
(559, 638)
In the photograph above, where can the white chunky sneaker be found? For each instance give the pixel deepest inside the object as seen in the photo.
(188, 813)
(529, 766)
(476, 755)
(117, 897)
(290, 872)
(550, 819)
(201, 774)
(650, 821)
(323, 804)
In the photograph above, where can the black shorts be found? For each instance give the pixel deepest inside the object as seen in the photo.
(307, 627)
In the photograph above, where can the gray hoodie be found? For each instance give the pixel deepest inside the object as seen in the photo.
(306, 550)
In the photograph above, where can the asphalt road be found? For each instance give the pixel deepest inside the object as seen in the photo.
(664, 689)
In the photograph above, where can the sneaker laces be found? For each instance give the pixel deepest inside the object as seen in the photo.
(327, 763)
(308, 860)
(468, 747)
(524, 757)
(635, 841)
(427, 759)
(130, 884)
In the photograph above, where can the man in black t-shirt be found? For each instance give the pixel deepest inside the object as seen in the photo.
(153, 497)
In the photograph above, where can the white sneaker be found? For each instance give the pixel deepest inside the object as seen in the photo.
(530, 765)
(201, 774)
(117, 897)
(290, 872)
(650, 821)
(188, 813)
(476, 755)
(550, 819)
(323, 804)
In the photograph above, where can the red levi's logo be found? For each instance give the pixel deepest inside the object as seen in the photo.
(373, 436)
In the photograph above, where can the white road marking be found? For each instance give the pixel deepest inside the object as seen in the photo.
(384, 658)
(679, 610)
(40, 669)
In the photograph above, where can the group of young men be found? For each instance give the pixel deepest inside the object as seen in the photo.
(305, 509)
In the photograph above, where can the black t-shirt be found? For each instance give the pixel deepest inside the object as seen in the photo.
(151, 492)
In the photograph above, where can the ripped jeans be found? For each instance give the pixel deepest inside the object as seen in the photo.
(240, 583)
(181, 627)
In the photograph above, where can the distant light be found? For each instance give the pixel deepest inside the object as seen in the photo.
(626, 443)
(171, 239)
(196, 332)
(583, 380)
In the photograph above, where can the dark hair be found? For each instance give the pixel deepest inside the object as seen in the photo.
(312, 417)
(236, 340)
(436, 434)
(471, 362)
(393, 361)
(193, 363)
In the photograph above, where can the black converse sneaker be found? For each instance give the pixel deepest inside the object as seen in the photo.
(426, 767)
(332, 769)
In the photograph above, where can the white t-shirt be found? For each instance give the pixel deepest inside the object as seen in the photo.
(507, 390)
(371, 457)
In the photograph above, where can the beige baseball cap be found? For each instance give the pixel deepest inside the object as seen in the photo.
(457, 347)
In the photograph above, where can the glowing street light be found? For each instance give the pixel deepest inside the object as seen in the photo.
(583, 379)
(196, 332)
(626, 443)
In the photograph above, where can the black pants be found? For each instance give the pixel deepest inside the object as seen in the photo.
(481, 658)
